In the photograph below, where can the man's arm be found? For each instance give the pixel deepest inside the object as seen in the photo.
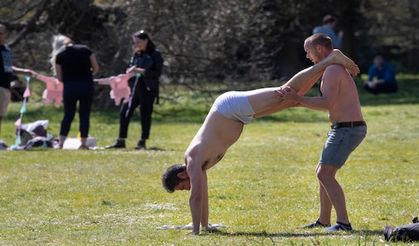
(155, 70)
(205, 212)
(21, 70)
(59, 72)
(329, 88)
(94, 64)
(196, 197)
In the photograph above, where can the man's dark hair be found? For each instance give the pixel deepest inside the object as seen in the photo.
(144, 36)
(320, 39)
(328, 19)
(170, 179)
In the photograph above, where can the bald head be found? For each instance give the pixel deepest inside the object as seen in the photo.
(319, 39)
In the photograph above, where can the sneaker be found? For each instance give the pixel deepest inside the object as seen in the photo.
(119, 144)
(140, 145)
(57, 145)
(339, 227)
(84, 147)
(316, 225)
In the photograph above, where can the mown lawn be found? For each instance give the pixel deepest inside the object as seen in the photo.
(263, 190)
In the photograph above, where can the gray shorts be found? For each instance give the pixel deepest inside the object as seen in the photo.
(234, 105)
(4, 101)
(340, 144)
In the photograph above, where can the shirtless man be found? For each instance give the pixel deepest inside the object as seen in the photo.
(223, 126)
(339, 96)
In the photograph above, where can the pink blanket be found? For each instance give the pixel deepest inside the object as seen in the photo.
(120, 90)
(53, 92)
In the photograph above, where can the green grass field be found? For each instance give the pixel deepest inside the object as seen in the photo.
(263, 190)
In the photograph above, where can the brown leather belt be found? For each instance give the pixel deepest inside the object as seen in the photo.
(348, 124)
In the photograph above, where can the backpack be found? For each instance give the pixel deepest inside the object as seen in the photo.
(405, 233)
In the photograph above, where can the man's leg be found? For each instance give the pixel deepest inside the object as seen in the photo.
(326, 175)
(370, 87)
(384, 87)
(5, 98)
(325, 204)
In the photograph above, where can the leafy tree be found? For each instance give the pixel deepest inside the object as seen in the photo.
(202, 41)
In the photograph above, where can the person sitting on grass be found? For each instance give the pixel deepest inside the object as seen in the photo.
(223, 126)
(381, 77)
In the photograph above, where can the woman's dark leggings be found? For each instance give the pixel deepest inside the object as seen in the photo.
(143, 98)
(73, 93)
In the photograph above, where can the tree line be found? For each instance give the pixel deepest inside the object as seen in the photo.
(218, 40)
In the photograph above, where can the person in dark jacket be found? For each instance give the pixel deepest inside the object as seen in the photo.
(381, 77)
(74, 65)
(6, 72)
(146, 66)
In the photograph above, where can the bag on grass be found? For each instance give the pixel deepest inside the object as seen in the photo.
(34, 135)
(405, 233)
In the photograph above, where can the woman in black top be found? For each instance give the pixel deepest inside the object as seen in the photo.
(146, 63)
(74, 66)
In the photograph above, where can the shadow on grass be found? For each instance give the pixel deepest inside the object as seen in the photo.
(157, 149)
(296, 235)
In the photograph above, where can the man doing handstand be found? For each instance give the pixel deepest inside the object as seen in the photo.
(222, 127)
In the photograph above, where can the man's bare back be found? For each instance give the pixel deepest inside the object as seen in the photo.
(215, 136)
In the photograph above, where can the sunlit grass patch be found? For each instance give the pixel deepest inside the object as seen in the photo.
(263, 190)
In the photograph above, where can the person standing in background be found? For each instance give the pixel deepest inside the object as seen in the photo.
(74, 65)
(339, 96)
(328, 28)
(6, 72)
(146, 64)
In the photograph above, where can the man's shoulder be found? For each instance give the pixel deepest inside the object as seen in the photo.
(335, 72)
(335, 68)
(5, 47)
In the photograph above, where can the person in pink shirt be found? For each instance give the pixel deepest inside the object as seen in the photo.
(339, 96)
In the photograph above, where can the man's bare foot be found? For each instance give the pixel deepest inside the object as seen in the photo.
(338, 57)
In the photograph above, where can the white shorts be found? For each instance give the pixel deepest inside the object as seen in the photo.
(4, 101)
(234, 105)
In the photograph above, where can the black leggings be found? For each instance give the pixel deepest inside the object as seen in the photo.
(143, 98)
(73, 93)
